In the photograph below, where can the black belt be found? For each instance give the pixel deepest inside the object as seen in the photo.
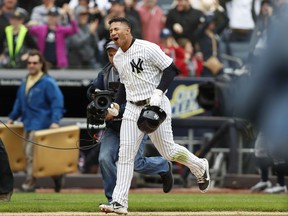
(141, 103)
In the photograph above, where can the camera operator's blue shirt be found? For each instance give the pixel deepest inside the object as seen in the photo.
(41, 106)
(107, 75)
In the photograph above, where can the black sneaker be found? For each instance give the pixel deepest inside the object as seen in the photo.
(167, 178)
(6, 197)
(113, 207)
(204, 180)
(58, 183)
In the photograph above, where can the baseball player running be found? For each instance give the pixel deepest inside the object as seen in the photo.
(145, 73)
(110, 140)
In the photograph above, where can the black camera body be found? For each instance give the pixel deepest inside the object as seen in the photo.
(97, 108)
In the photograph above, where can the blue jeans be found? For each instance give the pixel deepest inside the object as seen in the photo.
(108, 157)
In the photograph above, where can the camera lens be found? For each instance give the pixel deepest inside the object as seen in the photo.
(102, 102)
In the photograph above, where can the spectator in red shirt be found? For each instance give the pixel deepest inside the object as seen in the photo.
(152, 20)
(171, 48)
(194, 66)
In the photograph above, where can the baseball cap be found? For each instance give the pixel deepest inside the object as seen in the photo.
(208, 18)
(81, 10)
(19, 14)
(112, 45)
(116, 1)
(53, 12)
(165, 33)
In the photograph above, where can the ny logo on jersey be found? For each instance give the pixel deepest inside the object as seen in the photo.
(137, 67)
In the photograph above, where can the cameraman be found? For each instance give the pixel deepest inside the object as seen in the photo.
(110, 140)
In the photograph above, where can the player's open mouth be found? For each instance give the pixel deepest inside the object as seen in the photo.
(115, 39)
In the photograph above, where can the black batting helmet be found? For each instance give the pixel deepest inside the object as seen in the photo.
(150, 118)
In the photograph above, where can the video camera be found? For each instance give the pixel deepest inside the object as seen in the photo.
(97, 108)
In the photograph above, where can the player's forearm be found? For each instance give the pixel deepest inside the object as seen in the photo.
(121, 95)
(168, 75)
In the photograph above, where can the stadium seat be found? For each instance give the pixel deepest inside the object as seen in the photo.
(14, 146)
(52, 162)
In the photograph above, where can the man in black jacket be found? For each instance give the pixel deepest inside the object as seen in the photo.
(183, 20)
(6, 176)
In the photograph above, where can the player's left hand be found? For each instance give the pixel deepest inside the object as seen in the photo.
(114, 109)
(156, 98)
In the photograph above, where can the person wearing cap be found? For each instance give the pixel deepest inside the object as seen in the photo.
(83, 45)
(207, 43)
(110, 139)
(117, 9)
(15, 42)
(167, 42)
(7, 8)
(79, 7)
(39, 14)
(51, 38)
(171, 48)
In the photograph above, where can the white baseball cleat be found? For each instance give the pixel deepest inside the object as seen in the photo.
(277, 189)
(204, 180)
(260, 186)
(113, 207)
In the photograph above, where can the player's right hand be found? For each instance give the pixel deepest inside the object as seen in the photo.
(114, 109)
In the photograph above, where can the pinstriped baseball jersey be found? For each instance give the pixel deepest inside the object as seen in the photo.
(140, 68)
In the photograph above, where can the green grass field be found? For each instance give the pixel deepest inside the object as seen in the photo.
(140, 202)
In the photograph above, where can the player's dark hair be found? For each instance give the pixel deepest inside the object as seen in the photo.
(120, 19)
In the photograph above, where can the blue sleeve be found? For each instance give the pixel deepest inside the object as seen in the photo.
(97, 83)
(17, 111)
(56, 100)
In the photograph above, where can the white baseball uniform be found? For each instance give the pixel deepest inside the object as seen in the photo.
(140, 70)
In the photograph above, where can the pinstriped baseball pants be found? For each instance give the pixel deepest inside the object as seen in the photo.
(162, 138)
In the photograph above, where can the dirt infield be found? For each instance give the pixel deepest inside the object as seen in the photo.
(192, 190)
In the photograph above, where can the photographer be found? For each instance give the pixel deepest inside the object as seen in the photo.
(110, 140)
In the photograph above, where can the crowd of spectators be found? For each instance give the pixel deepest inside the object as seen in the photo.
(71, 33)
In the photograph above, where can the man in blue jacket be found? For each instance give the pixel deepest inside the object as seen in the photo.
(110, 140)
(40, 105)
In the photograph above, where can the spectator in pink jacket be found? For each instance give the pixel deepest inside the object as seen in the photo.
(51, 38)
